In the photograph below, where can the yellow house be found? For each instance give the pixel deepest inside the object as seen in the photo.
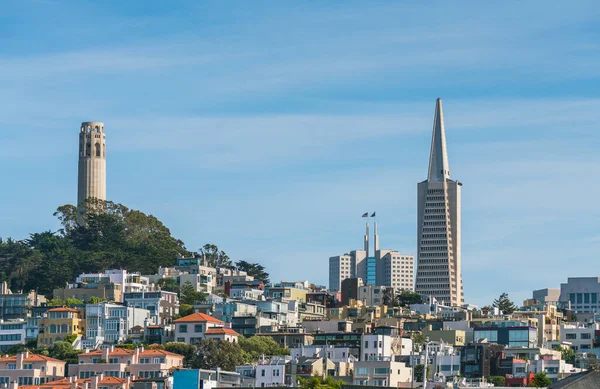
(59, 323)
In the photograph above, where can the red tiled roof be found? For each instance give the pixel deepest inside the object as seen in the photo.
(123, 351)
(63, 309)
(31, 358)
(198, 317)
(221, 331)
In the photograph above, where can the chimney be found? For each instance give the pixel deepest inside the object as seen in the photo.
(20, 358)
(14, 385)
(105, 353)
(73, 384)
(94, 381)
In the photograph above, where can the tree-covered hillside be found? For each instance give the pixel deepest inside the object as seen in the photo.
(106, 236)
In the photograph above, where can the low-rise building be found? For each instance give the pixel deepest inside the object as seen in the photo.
(111, 323)
(266, 373)
(385, 372)
(30, 369)
(122, 363)
(58, 323)
(578, 336)
(12, 332)
(162, 305)
(305, 368)
(192, 328)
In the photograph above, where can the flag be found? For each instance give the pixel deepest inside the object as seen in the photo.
(373, 215)
(366, 214)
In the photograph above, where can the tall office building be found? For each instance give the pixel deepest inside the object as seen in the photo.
(438, 235)
(91, 179)
(380, 267)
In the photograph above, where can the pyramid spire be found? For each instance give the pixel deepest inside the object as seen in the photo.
(439, 169)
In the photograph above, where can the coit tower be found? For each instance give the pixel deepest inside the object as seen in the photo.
(91, 181)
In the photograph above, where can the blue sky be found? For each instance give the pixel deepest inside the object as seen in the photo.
(269, 127)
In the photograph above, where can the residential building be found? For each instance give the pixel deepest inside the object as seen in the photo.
(445, 359)
(87, 287)
(479, 359)
(205, 379)
(349, 289)
(111, 323)
(109, 285)
(578, 336)
(222, 333)
(335, 353)
(439, 224)
(351, 341)
(121, 363)
(384, 371)
(511, 333)
(251, 325)
(13, 305)
(58, 323)
(267, 372)
(549, 320)
(161, 304)
(12, 332)
(456, 338)
(286, 292)
(291, 339)
(371, 295)
(381, 345)
(245, 293)
(193, 270)
(30, 369)
(193, 328)
(305, 368)
(580, 294)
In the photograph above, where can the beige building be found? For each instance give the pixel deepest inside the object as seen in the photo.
(91, 181)
(197, 326)
(122, 363)
(397, 270)
(439, 226)
(382, 372)
(449, 336)
(30, 369)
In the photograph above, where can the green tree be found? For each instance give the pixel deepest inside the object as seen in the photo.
(418, 340)
(497, 380)
(320, 383)
(540, 380)
(256, 346)
(567, 353)
(189, 295)
(64, 351)
(187, 350)
(185, 310)
(406, 298)
(419, 372)
(213, 353)
(169, 284)
(504, 304)
(215, 257)
(95, 300)
(255, 270)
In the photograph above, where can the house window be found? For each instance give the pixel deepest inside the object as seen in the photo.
(198, 328)
(183, 328)
(262, 373)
